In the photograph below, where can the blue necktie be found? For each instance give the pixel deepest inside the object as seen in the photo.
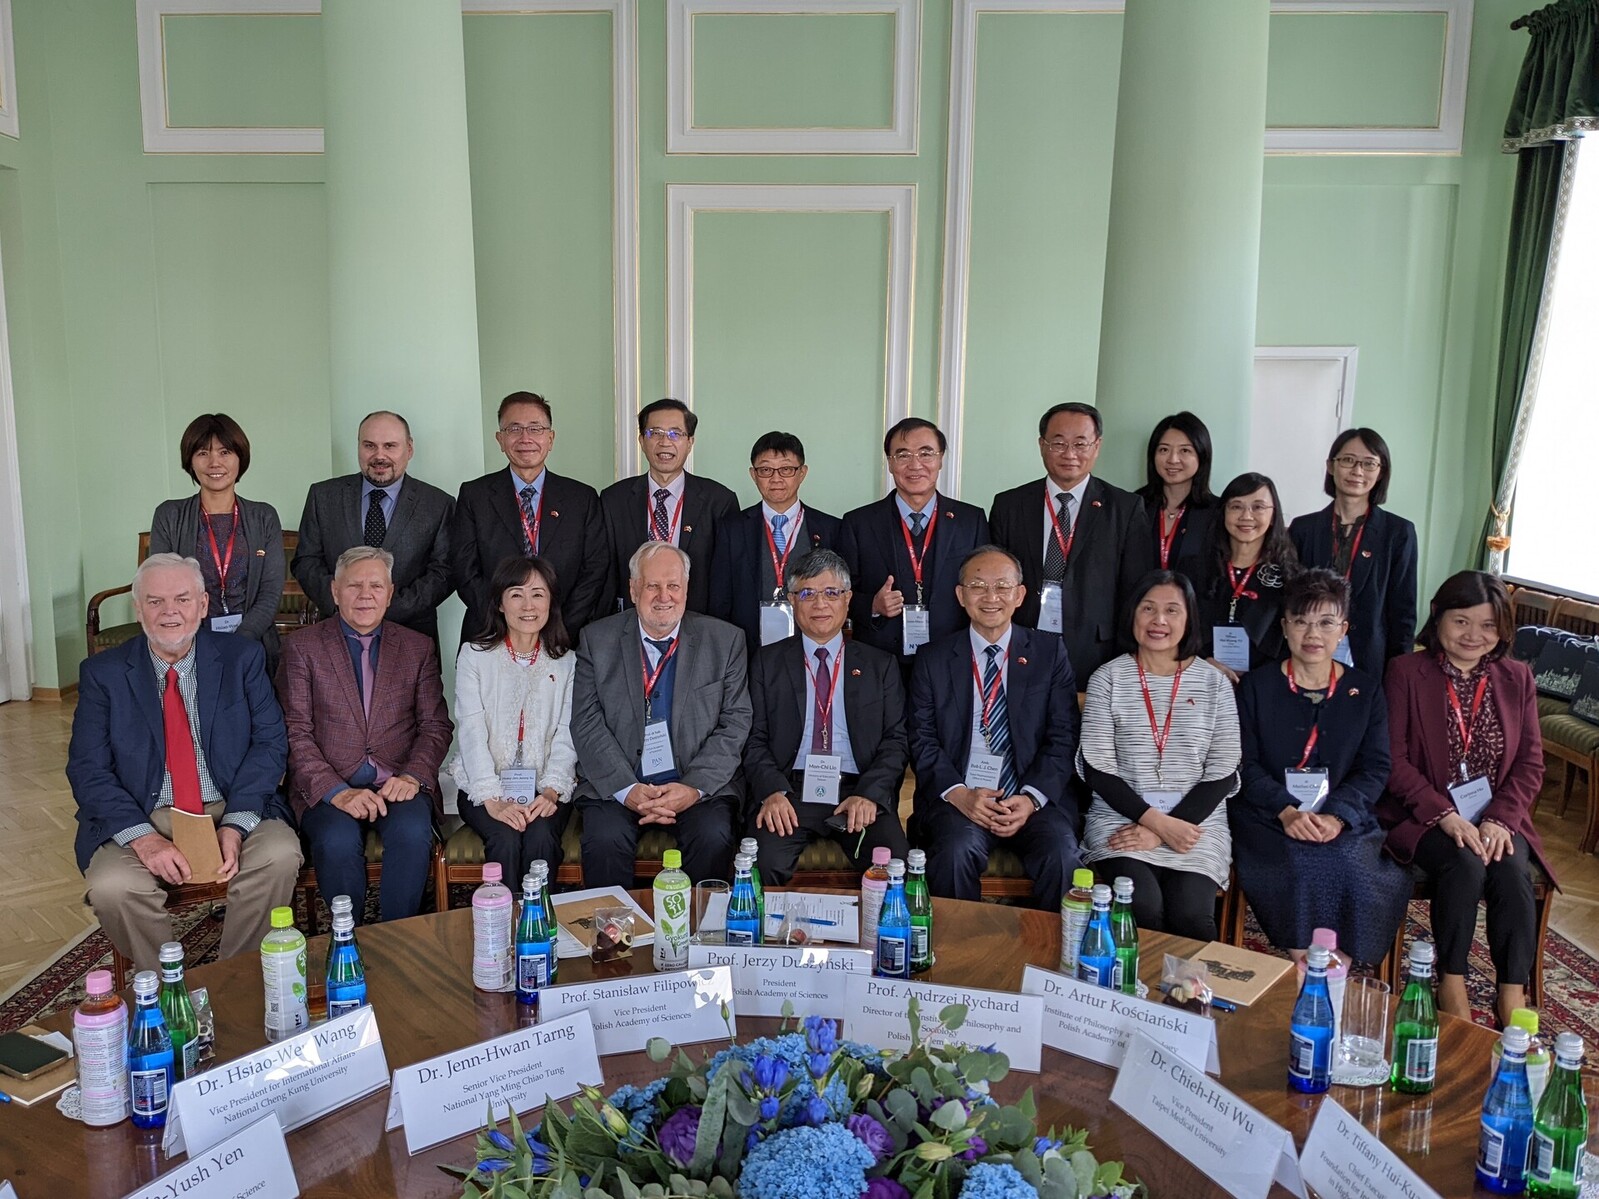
(778, 537)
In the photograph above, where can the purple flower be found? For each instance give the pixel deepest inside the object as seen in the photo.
(500, 1141)
(770, 1073)
(818, 1063)
(493, 1165)
(821, 1035)
(1044, 1144)
(975, 1148)
(872, 1134)
(769, 1106)
(885, 1188)
(815, 1111)
(678, 1133)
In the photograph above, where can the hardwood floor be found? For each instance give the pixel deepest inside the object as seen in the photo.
(45, 912)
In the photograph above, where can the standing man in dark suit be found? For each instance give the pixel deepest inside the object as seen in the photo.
(666, 503)
(364, 705)
(751, 560)
(993, 728)
(382, 507)
(904, 550)
(660, 711)
(824, 768)
(178, 718)
(1083, 544)
(526, 510)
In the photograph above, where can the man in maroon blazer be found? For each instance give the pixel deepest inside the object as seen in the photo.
(364, 704)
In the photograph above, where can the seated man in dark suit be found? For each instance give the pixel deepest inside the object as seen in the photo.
(752, 559)
(364, 705)
(660, 711)
(526, 510)
(385, 507)
(666, 503)
(903, 550)
(993, 729)
(824, 768)
(1083, 544)
(178, 717)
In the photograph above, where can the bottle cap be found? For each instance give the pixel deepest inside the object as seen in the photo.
(916, 859)
(1515, 1039)
(1525, 1017)
(672, 859)
(881, 855)
(146, 983)
(540, 866)
(896, 868)
(1325, 936)
(749, 845)
(1316, 956)
(743, 861)
(282, 917)
(172, 951)
(493, 872)
(1123, 887)
(1101, 895)
(1568, 1045)
(1422, 953)
(98, 982)
(340, 903)
(343, 922)
(1082, 877)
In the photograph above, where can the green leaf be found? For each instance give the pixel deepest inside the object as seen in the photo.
(518, 1137)
(901, 1107)
(712, 1116)
(742, 1109)
(953, 1016)
(630, 1189)
(720, 1188)
(1028, 1106)
(471, 1191)
(788, 1009)
(950, 1117)
(658, 1048)
(913, 1016)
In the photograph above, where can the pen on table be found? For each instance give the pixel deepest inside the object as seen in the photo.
(1220, 1004)
(4, 1098)
(819, 921)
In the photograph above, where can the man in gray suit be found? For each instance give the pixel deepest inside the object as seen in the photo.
(660, 712)
(381, 507)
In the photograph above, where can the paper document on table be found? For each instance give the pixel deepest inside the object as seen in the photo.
(1241, 975)
(834, 918)
(574, 918)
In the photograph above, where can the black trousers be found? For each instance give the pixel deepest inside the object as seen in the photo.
(957, 852)
(1181, 902)
(1459, 882)
(705, 832)
(513, 850)
(779, 856)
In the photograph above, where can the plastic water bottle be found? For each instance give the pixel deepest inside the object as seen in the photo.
(1310, 1037)
(671, 891)
(752, 847)
(100, 1043)
(920, 903)
(491, 932)
(1416, 1027)
(535, 943)
(149, 1054)
(1076, 906)
(1125, 929)
(178, 1010)
(1537, 1053)
(1096, 957)
(874, 885)
(1337, 973)
(743, 921)
(893, 943)
(283, 973)
(1506, 1119)
(346, 973)
(1560, 1127)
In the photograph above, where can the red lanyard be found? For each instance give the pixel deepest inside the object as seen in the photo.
(1466, 728)
(1053, 517)
(990, 697)
(223, 563)
(1315, 728)
(1167, 540)
(649, 523)
(1239, 593)
(650, 679)
(825, 710)
(1161, 736)
(779, 565)
(1354, 549)
(927, 540)
(531, 532)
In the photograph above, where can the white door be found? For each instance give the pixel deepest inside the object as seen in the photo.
(1303, 398)
(15, 625)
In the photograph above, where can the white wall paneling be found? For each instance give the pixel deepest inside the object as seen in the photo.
(8, 74)
(1304, 396)
(16, 619)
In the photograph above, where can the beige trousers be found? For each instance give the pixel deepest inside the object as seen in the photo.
(130, 902)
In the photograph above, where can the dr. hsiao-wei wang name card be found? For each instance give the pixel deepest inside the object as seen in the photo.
(1011, 1023)
(1093, 1022)
(684, 1007)
(765, 977)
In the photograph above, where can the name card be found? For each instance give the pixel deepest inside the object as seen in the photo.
(447, 1095)
(298, 1080)
(764, 976)
(7, 1191)
(253, 1162)
(875, 1014)
(1343, 1160)
(1227, 1140)
(684, 1007)
(1094, 1023)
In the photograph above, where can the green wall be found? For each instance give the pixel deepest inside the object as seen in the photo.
(142, 288)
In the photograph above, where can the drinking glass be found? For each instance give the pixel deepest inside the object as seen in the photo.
(710, 911)
(1363, 1026)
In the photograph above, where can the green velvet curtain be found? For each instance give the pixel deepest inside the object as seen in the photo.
(1557, 99)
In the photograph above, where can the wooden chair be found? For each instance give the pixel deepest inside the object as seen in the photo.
(1577, 616)
(1533, 607)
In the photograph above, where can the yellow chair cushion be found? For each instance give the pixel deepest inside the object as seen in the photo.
(1571, 732)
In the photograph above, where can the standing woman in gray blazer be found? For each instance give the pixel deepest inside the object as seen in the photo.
(238, 542)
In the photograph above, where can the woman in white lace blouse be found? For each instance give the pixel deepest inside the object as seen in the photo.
(513, 714)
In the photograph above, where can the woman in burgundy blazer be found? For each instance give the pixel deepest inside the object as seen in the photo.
(1467, 765)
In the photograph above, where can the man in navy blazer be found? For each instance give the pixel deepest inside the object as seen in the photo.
(905, 549)
(752, 558)
(207, 695)
(993, 727)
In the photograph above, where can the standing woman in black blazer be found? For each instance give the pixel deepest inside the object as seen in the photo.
(238, 542)
(1370, 546)
(1177, 496)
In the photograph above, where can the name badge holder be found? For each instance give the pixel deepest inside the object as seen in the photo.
(1163, 801)
(1231, 647)
(227, 624)
(1471, 797)
(917, 628)
(1307, 787)
(777, 621)
(519, 784)
(822, 778)
(984, 771)
(1050, 613)
(657, 757)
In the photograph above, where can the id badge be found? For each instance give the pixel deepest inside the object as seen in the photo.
(1344, 654)
(519, 784)
(227, 624)
(1306, 787)
(777, 622)
(1232, 647)
(821, 778)
(657, 756)
(1471, 797)
(985, 770)
(1049, 609)
(916, 629)
(1163, 801)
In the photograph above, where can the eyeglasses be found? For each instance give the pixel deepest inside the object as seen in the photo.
(1081, 446)
(1324, 624)
(981, 587)
(529, 430)
(1350, 462)
(1236, 508)
(653, 434)
(806, 594)
(782, 472)
(925, 456)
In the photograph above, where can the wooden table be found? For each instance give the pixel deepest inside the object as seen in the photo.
(419, 978)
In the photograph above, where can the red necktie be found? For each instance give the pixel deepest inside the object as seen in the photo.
(180, 750)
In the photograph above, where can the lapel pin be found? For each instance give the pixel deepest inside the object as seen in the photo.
(1190, 701)
(554, 514)
(1095, 504)
(688, 528)
(1365, 553)
(854, 674)
(1021, 661)
(260, 553)
(1354, 691)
